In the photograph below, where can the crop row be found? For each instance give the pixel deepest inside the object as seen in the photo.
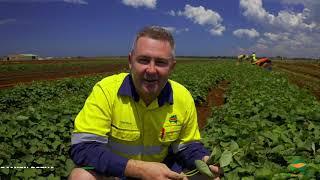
(264, 117)
(267, 124)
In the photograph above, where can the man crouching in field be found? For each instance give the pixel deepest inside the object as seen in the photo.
(139, 125)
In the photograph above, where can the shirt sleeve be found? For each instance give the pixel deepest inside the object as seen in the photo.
(191, 152)
(96, 155)
(95, 116)
(89, 137)
(185, 158)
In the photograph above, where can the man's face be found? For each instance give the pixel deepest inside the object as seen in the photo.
(151, 63)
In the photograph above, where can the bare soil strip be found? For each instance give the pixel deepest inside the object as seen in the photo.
(215, 97)
(311, 70)
(11, 79)
(303, 75)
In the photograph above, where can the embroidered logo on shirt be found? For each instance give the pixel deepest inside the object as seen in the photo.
(173, 119)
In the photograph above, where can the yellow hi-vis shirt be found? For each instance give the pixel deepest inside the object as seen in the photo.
(130, 128)
(254, 58)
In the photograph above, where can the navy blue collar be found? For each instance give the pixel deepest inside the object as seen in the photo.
(127, 89)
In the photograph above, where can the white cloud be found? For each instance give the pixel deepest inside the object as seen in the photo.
(217, 31)
(182, 30)
(254, 9)
(285, 19)
(276, 37)
(171, 13)
(6, 21)
(288, 20)
(76, 1)
(251, 33)
(45, 1)
(289, 33)
(168, 28)
(312, 5)
(200, 15)
(140, 3)
(288, 44)
(186, 29)
(175, 30)
(285, 44)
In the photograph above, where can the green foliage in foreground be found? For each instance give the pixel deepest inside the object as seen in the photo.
(36, 123)
(265, 124)
(23, 96)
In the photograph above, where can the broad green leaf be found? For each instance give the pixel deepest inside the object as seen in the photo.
(246, 169)
(316, 116)
(17, 144)
(5, 170)
(33, 149)
(42, 178)
(52, 177)
(27, 173)
(22, 118)
(234, 146)
(215, 155)
(263, 173)
(41, 161)
(239, 157)
(51, 135)
(55, 144)
(247, 178)
(62, 158)
(225, 144)
(278, 149)
(226, 158)
(69, 165)
(233, 175)
(28, 158)
(317, 159)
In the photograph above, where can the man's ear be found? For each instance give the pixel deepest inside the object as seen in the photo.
(173, 65)
(130, 60)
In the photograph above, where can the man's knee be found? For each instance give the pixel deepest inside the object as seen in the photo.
(81, 174)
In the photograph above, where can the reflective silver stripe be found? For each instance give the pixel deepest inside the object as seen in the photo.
(85, 137)
(179, 147)
(133, 150)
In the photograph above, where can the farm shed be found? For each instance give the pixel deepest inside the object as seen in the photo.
(21, 57)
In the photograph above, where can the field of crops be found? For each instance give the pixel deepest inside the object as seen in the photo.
(13, 72)
(303, 74)
(265, 124)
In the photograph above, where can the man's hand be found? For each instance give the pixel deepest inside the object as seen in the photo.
(214, 169)
(150, 170)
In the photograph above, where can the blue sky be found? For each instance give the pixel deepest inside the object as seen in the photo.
(201, 27)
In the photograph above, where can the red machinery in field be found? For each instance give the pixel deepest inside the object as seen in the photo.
(264, 62)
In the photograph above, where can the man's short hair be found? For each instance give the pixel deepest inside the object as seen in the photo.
(158, 33)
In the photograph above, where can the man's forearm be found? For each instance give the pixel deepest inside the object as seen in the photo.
(98, 156)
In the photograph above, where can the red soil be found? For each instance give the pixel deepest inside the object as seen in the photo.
(215, 97)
